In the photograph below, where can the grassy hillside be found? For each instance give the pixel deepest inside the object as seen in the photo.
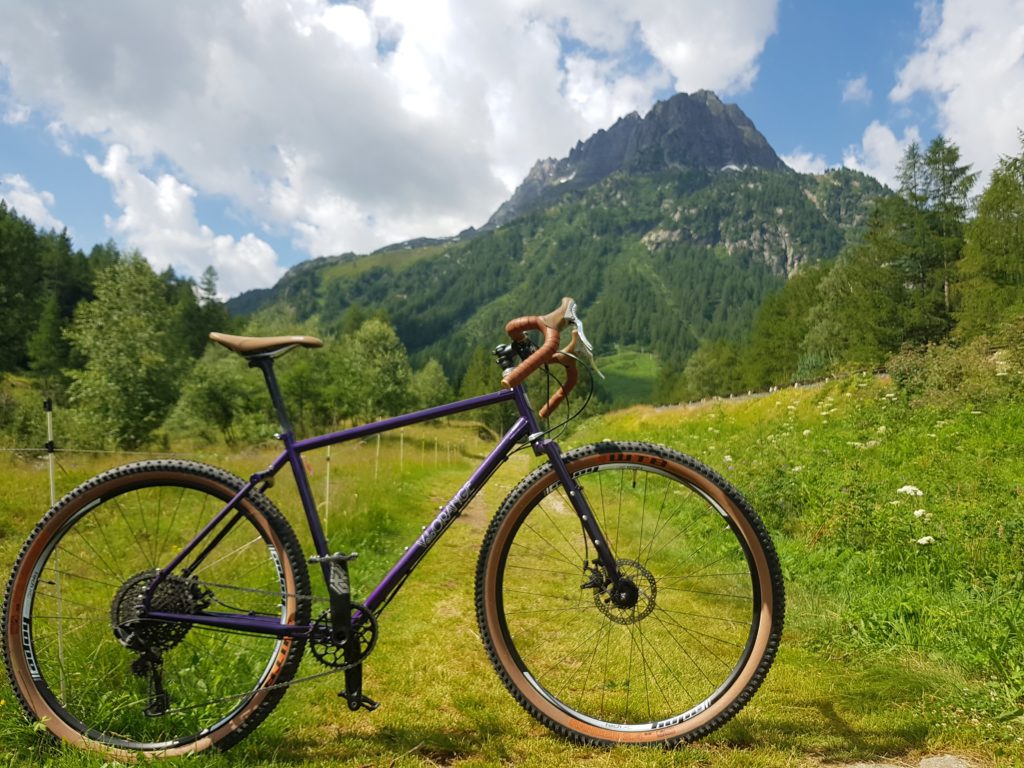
(904, 617)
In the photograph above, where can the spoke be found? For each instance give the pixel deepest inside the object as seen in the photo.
(558, 556)
(684, 649)
(659, 526)
(131, 530)
(705, 592)
(567, 609)
(697, 636)
(109, 569)
(233, 553)
(643, 516)
(572, 511)
(704, 616)
(69, 574)
(541, 570)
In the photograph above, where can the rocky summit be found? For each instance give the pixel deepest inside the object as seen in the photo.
(696, 131)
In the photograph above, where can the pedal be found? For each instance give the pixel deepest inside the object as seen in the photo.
(359, 701)
(337, 557)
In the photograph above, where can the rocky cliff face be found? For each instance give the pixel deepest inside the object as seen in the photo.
(687, 131)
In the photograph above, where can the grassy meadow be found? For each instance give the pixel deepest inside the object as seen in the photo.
(900, 527)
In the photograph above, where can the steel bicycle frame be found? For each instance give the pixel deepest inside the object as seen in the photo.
(526, 428)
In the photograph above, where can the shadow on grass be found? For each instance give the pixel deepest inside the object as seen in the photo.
(835, 711)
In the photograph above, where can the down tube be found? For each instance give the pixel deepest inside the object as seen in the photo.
(446, 517)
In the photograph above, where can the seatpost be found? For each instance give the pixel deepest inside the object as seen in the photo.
(266, 364)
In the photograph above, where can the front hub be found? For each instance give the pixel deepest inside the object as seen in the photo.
(632, 598)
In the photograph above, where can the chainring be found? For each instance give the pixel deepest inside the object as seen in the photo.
(331, 653)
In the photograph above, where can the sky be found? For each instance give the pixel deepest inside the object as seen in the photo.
(250, 135)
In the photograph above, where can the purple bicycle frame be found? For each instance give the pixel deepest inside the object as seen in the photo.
(525, 427)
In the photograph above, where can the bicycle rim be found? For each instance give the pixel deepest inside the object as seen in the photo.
(676, 658)
(97, 675)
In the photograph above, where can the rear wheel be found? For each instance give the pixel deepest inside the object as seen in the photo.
(673, 649)
(94, 671)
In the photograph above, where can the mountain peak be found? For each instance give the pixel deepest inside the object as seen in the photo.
(696, 131)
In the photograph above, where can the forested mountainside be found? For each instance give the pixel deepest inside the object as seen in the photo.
(659, 259)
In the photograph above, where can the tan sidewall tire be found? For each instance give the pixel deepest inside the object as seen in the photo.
(104, 486)
(755, 665)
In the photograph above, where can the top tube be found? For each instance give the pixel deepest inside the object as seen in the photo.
(395, 422)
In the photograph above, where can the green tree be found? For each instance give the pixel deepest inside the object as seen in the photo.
(949, 187)
(481, 377)
(991, 285)
(380, 371)
(47, 347)
(429, 386)
(19, 264)
(860, 317)
(716, 368)
(134, 360)
(781, 323)
(222, 397)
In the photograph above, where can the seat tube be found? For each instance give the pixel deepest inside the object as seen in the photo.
(266, 365)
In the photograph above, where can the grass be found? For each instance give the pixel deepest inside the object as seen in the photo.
(893, 650)
(630, 376)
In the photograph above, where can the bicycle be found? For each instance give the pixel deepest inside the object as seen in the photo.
(625, 592)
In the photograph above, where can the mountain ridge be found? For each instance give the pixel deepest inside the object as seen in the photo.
(661, 253)
(697, 131)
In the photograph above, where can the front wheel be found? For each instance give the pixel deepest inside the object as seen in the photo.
(672, 650)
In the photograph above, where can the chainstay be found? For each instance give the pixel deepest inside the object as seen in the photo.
(275, 686)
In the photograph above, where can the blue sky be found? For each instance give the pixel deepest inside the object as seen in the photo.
(251, 134)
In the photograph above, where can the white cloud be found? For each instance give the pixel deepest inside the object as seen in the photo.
(971, 64)
(857, 90)
(158, 218)
(708, 45)
(880, 151)
(33, 204)
(805, 162)
(17, 114)
(355, 125)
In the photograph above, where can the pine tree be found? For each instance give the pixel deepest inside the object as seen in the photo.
(991, 271)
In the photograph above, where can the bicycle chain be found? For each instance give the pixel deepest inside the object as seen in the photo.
(276, 686)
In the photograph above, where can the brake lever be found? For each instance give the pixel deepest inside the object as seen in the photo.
(577, 323)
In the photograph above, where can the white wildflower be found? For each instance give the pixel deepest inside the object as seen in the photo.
(881, 430)
(797, 468)
(807, 432)
(919, 513)
(727, 458)
(924, 541)
(910, 490)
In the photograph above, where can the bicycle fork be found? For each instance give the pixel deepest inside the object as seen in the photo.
(602, 572)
